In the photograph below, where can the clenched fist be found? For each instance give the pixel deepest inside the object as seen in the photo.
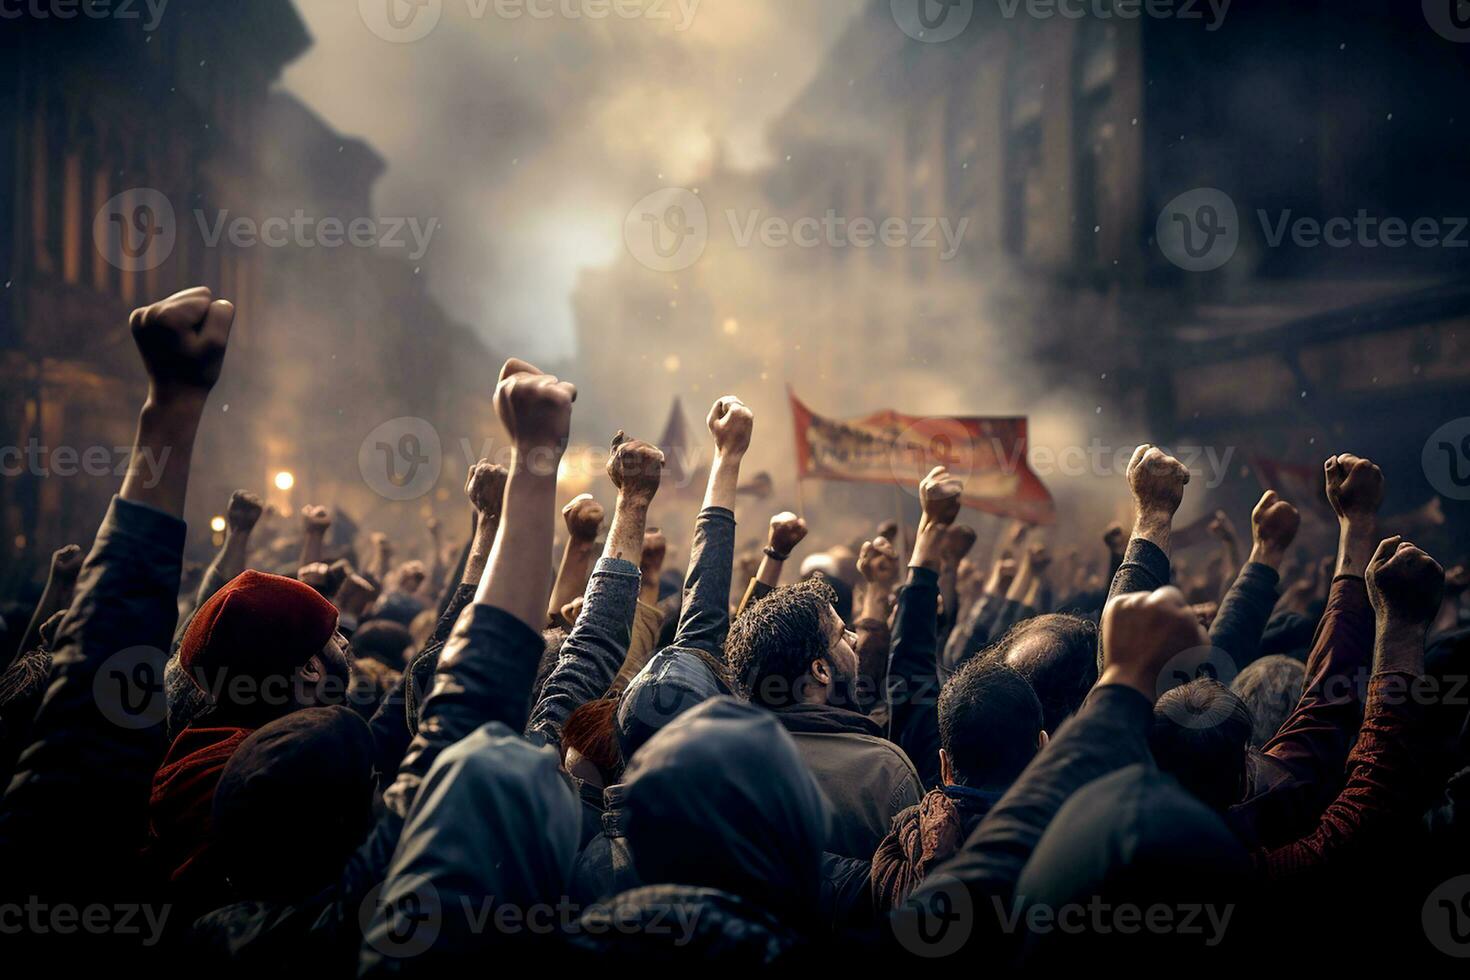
(958, 541)
(182, 341)
(315, 519)
(1116, 539)
(1221, 528)
(1157, 481)
(1142, 631)
(1038, 557)
(583, 517)
(787, 531)
(940, 495)
(66, 564)
(243, 512)
(1354, 486)
(1405, 585)
(730, 422)
(655, 548)
(878, 563)
(485, 486)
(536, 410)
(1274, 524)
(635, 468)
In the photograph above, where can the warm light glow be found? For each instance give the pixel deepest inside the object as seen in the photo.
(284, 480)
(217, 524)
(671, 363)
(732, 326)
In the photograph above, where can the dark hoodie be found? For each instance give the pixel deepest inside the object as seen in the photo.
(1134, 841)
(723, 811)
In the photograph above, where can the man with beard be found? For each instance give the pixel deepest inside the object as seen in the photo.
(791, 652)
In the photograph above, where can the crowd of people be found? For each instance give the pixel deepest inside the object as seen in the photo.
(311, 761)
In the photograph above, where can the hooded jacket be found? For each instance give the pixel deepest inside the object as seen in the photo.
(726, 817)
(924, 837)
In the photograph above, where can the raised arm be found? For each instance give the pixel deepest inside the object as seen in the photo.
(99, 735)
(583, 518)
(913, 683)
(61, 583)
(316, 520)
(1247, 606)
(879, 567)
(786, 532)
(1157, 482)
(598, 643)
(704, 618)
(1386, 770)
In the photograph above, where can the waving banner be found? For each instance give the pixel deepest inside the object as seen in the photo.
(989, 454)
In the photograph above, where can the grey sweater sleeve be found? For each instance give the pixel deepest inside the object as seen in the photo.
(594, 650)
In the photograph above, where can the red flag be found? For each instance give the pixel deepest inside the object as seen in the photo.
(989, 454)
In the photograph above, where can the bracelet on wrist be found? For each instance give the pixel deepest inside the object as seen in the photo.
(773, 554)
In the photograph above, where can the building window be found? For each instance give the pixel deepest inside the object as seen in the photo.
(1025, 197)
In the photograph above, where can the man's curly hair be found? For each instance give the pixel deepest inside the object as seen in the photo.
(772, 644)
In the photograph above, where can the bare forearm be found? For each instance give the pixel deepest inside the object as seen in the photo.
(519, 566)
(1157, 528)
(724, 477)
(769, 571)
(54, 598)
(625, 533)
(229, 562)
(1357, 539)
(311, 547)
(572, 575)
(158, 470)
(480, 545)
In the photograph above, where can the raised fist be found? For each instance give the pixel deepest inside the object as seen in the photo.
(66, 564)
(1274, 524)
(1142, 631)
(354, 594)
(244, 511)
(182, 341)
(787, 531)
(411, 575)
(316, 575)
(536, 410)
(940, 495)
(635, 468)
(878, 563)
(1116, 539)
(655, 548)
(958, 540)
(315, 519)
(1157, 482)
(1221, 527)
(1354, 486)
(1405, 585)
(730, 422)
(583, 517)
(485, 486)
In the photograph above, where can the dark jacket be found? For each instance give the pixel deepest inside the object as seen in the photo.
(867, 779)
(605, 866)
(725, 816)
(486, 678)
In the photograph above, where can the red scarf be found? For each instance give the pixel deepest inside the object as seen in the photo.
(183, 796)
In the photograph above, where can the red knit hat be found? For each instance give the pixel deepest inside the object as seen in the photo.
(259, 626)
